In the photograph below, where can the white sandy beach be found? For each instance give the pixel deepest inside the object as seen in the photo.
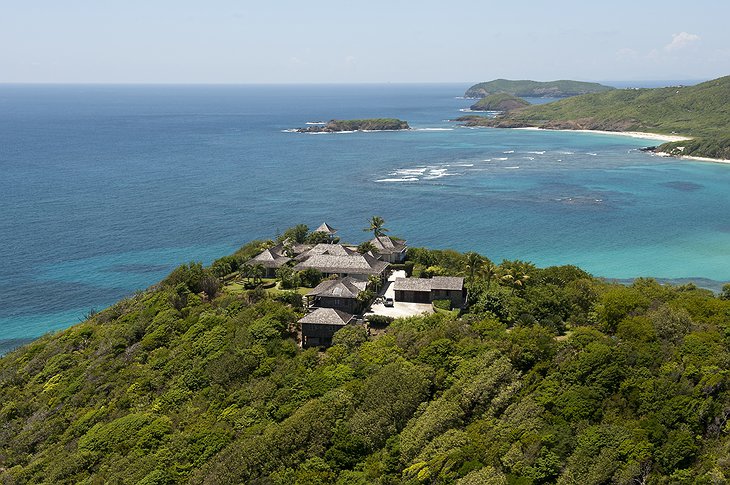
(705, 159)
(632, 134)
(647, 136)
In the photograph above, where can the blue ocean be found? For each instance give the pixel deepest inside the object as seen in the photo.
(106, 188)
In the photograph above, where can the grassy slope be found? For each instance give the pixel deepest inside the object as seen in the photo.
(699, 111)
(535, 88)
(217, 392)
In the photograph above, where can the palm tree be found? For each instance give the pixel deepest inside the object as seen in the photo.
(246, 270)
(366, 247)
(489, 270)
(374, 282)
(473, 264)
(515, 274)
(258, 272)
(376, 226)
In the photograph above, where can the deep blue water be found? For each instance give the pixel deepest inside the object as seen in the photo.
(106, 188)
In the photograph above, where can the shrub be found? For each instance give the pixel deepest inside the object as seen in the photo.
(290, 298)
(310, 277)
(379, 320)
(442, 304)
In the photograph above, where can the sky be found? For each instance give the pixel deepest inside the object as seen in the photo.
(373, 41)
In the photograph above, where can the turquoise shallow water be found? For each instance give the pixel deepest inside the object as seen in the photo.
(106, 188)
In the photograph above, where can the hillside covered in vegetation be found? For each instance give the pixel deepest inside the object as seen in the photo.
(372, 124)
(549, 376)
(699, 111)
(535, 89)
(499, 102)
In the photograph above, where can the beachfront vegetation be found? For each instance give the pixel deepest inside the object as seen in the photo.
(550, 376)
(535, 89)
(697, 111)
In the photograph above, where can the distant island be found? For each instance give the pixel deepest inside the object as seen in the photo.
(371, 124)
(535, 89)
(499, 102)
(698, 112)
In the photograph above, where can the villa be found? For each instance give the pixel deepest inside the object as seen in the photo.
(336, 259)
(389, 249)
(340, 294)
(427, 290)
(319, 326)
(270, 259)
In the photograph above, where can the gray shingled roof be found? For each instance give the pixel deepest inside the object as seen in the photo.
(326, 228)
(451, 283)
(384, 244)
(339, 288)
(412, 284)
(327, 316)
(324, 248)
(348, 264)
(269, 258)
(455, 283)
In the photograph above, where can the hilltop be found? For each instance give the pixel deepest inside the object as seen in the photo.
(699, 112)
(535, 89)
(549, 375)
(499, 102)
(372, 124)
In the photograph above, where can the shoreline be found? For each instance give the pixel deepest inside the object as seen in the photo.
(632, 134)
(646, 136)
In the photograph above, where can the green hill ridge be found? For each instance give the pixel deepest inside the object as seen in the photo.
(700, 112)
(535, 89)
(550, 376)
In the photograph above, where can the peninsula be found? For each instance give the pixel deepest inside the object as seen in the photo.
(698, 112)
(229, 374)
(499, 102)
(371, 124)
(535, 89)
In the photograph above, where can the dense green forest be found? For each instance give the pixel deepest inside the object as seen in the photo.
(699, 111)
(535, 89)
(499, 102)
(550, 376)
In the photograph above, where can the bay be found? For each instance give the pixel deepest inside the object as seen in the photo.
(105, 189)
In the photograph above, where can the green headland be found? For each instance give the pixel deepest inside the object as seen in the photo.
(499, 102)
(545, 375)
(699, 112)
(535, 89)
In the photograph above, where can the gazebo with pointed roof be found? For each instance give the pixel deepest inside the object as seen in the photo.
(326, 228)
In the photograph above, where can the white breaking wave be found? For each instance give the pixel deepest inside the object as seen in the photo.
(538, 153)
(433, 129)
(509, 151)
(515, 167)
(592, 154)
(529, 158)
(315, 123)
(409, 171)
(502, 159)
(290, 130)
(404, 179)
